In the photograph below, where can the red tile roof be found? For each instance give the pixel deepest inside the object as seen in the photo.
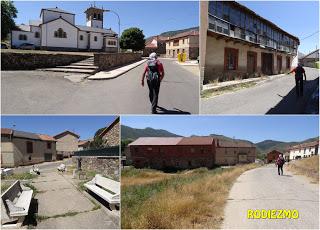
(304, 145)
(45, 137)
(6, 131)
(84, 142)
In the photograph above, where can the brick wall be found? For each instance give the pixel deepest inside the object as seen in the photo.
(30, 61)
(106, 61)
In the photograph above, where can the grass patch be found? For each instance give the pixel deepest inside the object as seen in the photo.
(188, 200)
(308, 167)
(20, 176)
(5, 185)
(215, 92)
(42, 218)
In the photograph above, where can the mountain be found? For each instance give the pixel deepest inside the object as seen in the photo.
(263, 147)
(174, 32)
(269, 145)
(132, 133)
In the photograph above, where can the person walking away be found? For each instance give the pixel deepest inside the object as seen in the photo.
(280, 162)
(299, 73)
(154, 72)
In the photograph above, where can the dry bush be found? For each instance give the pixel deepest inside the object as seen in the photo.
(308, 167)
(197, 202)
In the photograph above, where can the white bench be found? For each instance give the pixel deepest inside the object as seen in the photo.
(15, 203)
(107, 189)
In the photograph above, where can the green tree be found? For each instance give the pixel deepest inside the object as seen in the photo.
(132, 38)
(8, 13)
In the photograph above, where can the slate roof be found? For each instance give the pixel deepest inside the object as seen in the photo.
(59, 135)
(233, 144)
(27, 135)
(56, 9)
(313, 54)
(156, 141)
(98, 30)
(24, 27)
(185, 34)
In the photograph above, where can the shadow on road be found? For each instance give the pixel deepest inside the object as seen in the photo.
(162, 110)
(291, 104)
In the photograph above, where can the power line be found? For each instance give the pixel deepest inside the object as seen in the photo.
(310, 35)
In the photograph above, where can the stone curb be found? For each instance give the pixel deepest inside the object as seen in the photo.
(105, 75)
(258, 80)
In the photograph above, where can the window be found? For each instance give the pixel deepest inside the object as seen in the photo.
(81, 37)
(60, 33)
(94, 16)
(99, 17)
(226, 9)
(36, 34)
(175, 42)
(95, 38)
(29, 147)
(212, 7)
(23, 37)
(112, 43)
(48, 145)
(231, 58)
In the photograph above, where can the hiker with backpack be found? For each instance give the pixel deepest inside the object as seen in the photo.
(154, 72)
(280, 162)
(299, 73)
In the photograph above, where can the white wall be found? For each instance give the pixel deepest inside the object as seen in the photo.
(304, 152)
(50, 15)
(30, 38)
(95, 24)
(99, 43)
(48, 39)
(84, 43)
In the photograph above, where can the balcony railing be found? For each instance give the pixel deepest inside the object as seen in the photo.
(221, 26)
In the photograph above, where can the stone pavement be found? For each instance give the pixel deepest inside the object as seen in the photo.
(62, 205)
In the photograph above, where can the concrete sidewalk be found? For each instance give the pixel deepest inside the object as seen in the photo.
(221, 85)
(62, 205)
(105, 75)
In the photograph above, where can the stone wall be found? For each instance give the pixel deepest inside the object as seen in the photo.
(106, 166)
(112, 137)
(107, 61)
(31, 61)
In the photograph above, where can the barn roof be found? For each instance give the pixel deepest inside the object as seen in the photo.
(156, 141)
(196, 141)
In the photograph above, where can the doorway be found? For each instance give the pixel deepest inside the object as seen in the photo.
(279, 64)
(251, 62)
(267, 63)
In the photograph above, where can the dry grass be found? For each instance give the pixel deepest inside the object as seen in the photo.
(190, 200)
(308, 167)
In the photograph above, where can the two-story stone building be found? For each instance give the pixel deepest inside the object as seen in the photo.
(186, 42)
(25, 148)
(111, 134)
(237, 43)
(188, 152)
(67, 144)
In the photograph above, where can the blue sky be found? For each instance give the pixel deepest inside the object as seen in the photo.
(300, 18)
(153, 17)
(85, 126)
(253, 128)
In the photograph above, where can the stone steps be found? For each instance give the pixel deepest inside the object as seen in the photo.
(82, 67)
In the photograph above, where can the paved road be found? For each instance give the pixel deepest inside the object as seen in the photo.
(262, 188)
(275, 96)
(37, 92)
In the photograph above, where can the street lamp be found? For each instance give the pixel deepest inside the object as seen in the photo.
(118, 28)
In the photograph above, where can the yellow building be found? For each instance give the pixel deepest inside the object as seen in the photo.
(186, 42)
